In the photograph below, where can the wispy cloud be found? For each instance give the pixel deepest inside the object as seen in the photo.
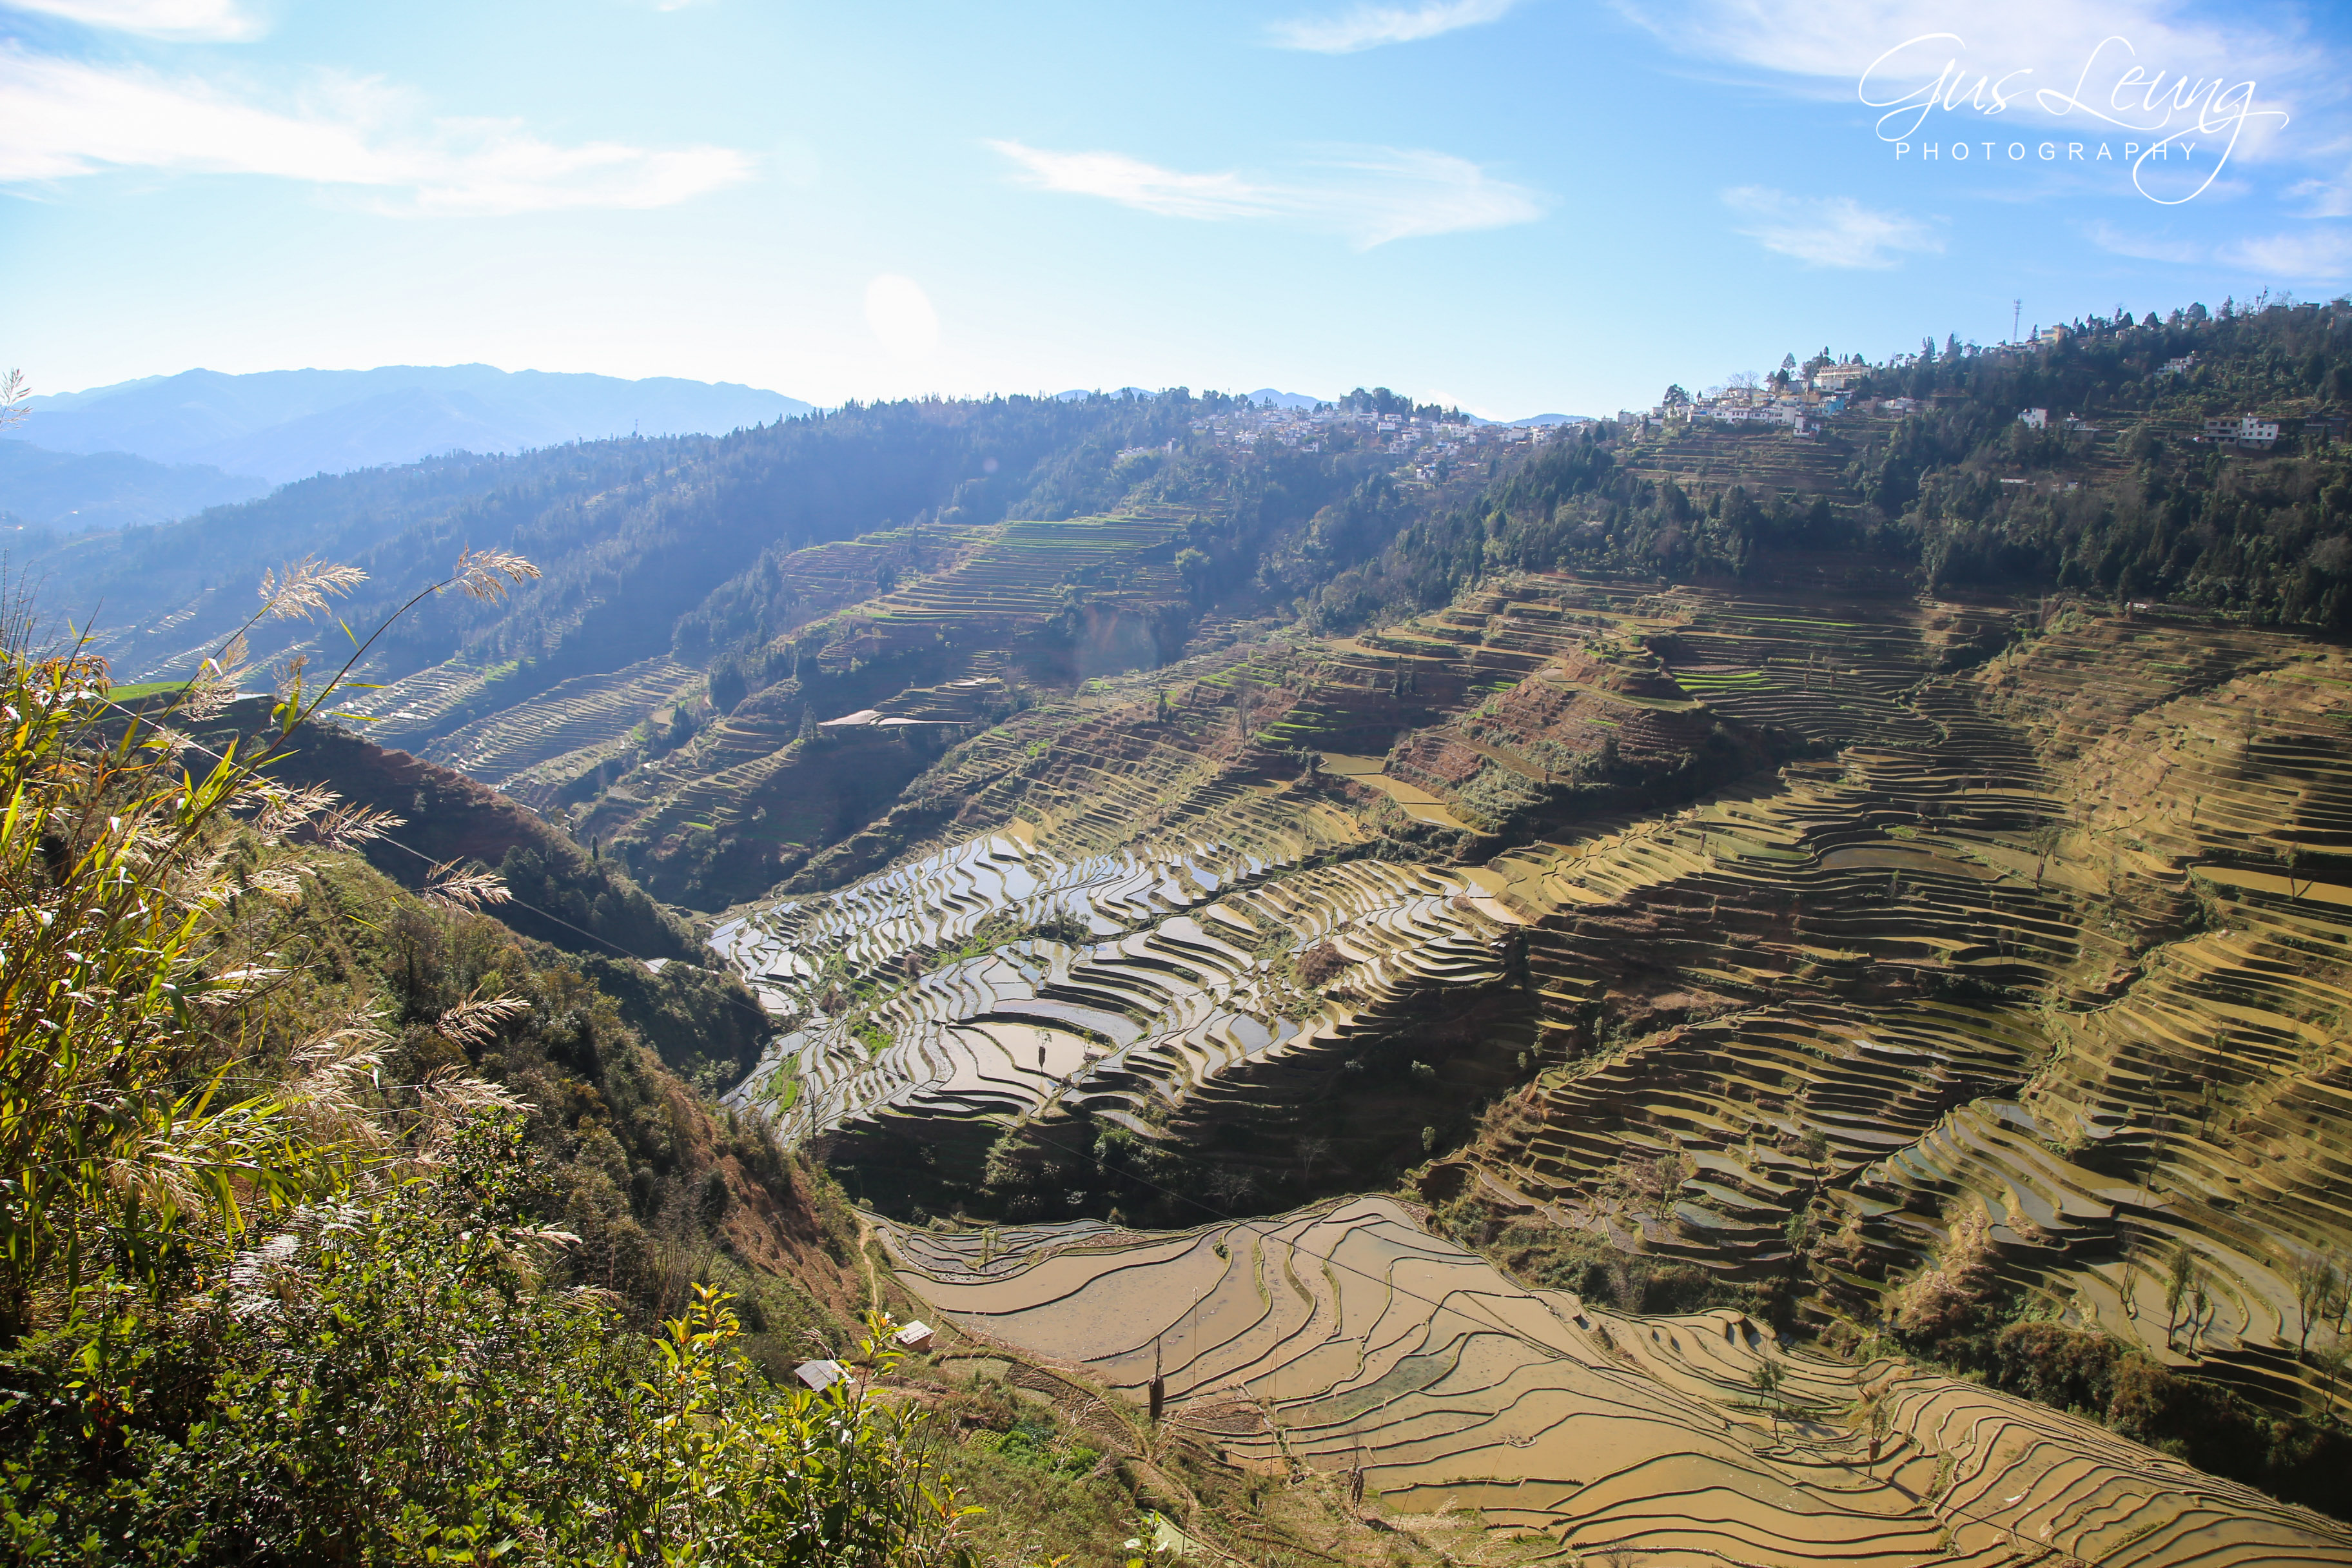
(69, 119)
(1131, 182)
(2142, 246)
(2317, 255)
(2040, 52)
(1371, 194)
(2320, 254)
(1368, 26)
(1827, 231)
(208, 21)
(2327, 196)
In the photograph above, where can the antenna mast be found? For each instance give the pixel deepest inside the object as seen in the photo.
(2016, 310)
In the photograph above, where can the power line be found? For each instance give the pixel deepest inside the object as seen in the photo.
(1216, 1213)
(387, 839)
(1546, 1352)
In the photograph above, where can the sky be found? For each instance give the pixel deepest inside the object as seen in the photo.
(1517, 206)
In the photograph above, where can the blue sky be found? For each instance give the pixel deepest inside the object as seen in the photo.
(1544, 205)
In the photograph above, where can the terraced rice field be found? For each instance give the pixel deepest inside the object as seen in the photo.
(532, 750)
(1878, 955)
(1415, 801)
(1178, 988)
(824, 577)
(1346, 1338)
(964, 606)
(1013, 576)
(2056, 941)
(413, 709)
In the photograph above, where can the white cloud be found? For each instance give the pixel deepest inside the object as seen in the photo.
(2324, 197)
(2140, 246)
(1133, 182)
(1826, 231)
(2038, 56)
(1371, 195)
(67, 119)
(901, 316)
(2321, 254)
(2309, 256)
(205, 21)
(1368, 26)
(1386, 193)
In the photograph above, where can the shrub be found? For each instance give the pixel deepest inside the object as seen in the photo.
(2071, 1369)
(1063, 927)
(385, 1381)
(1955, 1299)
(1319, 963)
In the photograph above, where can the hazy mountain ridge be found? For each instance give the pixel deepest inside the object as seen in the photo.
(630, 533)
(288, 424)
(75, 493)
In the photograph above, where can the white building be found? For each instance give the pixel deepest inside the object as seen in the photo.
(820, 1375)
(2246, 430)
(2033, 418)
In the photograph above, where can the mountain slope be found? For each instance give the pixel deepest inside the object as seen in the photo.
(1124, 815)
(702, 590)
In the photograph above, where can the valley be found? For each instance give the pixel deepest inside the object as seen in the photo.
(1998, 1005)
(710, 857)
(1635, 998)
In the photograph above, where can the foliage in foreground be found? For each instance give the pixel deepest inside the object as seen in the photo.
(387, 1381)
(272, 1285)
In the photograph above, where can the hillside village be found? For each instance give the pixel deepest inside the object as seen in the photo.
(1246, 424)
(1803, 399)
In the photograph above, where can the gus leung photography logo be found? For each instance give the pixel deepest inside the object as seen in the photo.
(2171, 132)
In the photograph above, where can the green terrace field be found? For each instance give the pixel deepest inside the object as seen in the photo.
(1015, 572)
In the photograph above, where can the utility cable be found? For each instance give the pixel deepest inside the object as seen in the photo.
(1546, 1352)
(386, 839)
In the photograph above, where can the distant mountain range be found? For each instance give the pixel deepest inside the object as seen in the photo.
(71, 492)
(285, 424)
(164, 447)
